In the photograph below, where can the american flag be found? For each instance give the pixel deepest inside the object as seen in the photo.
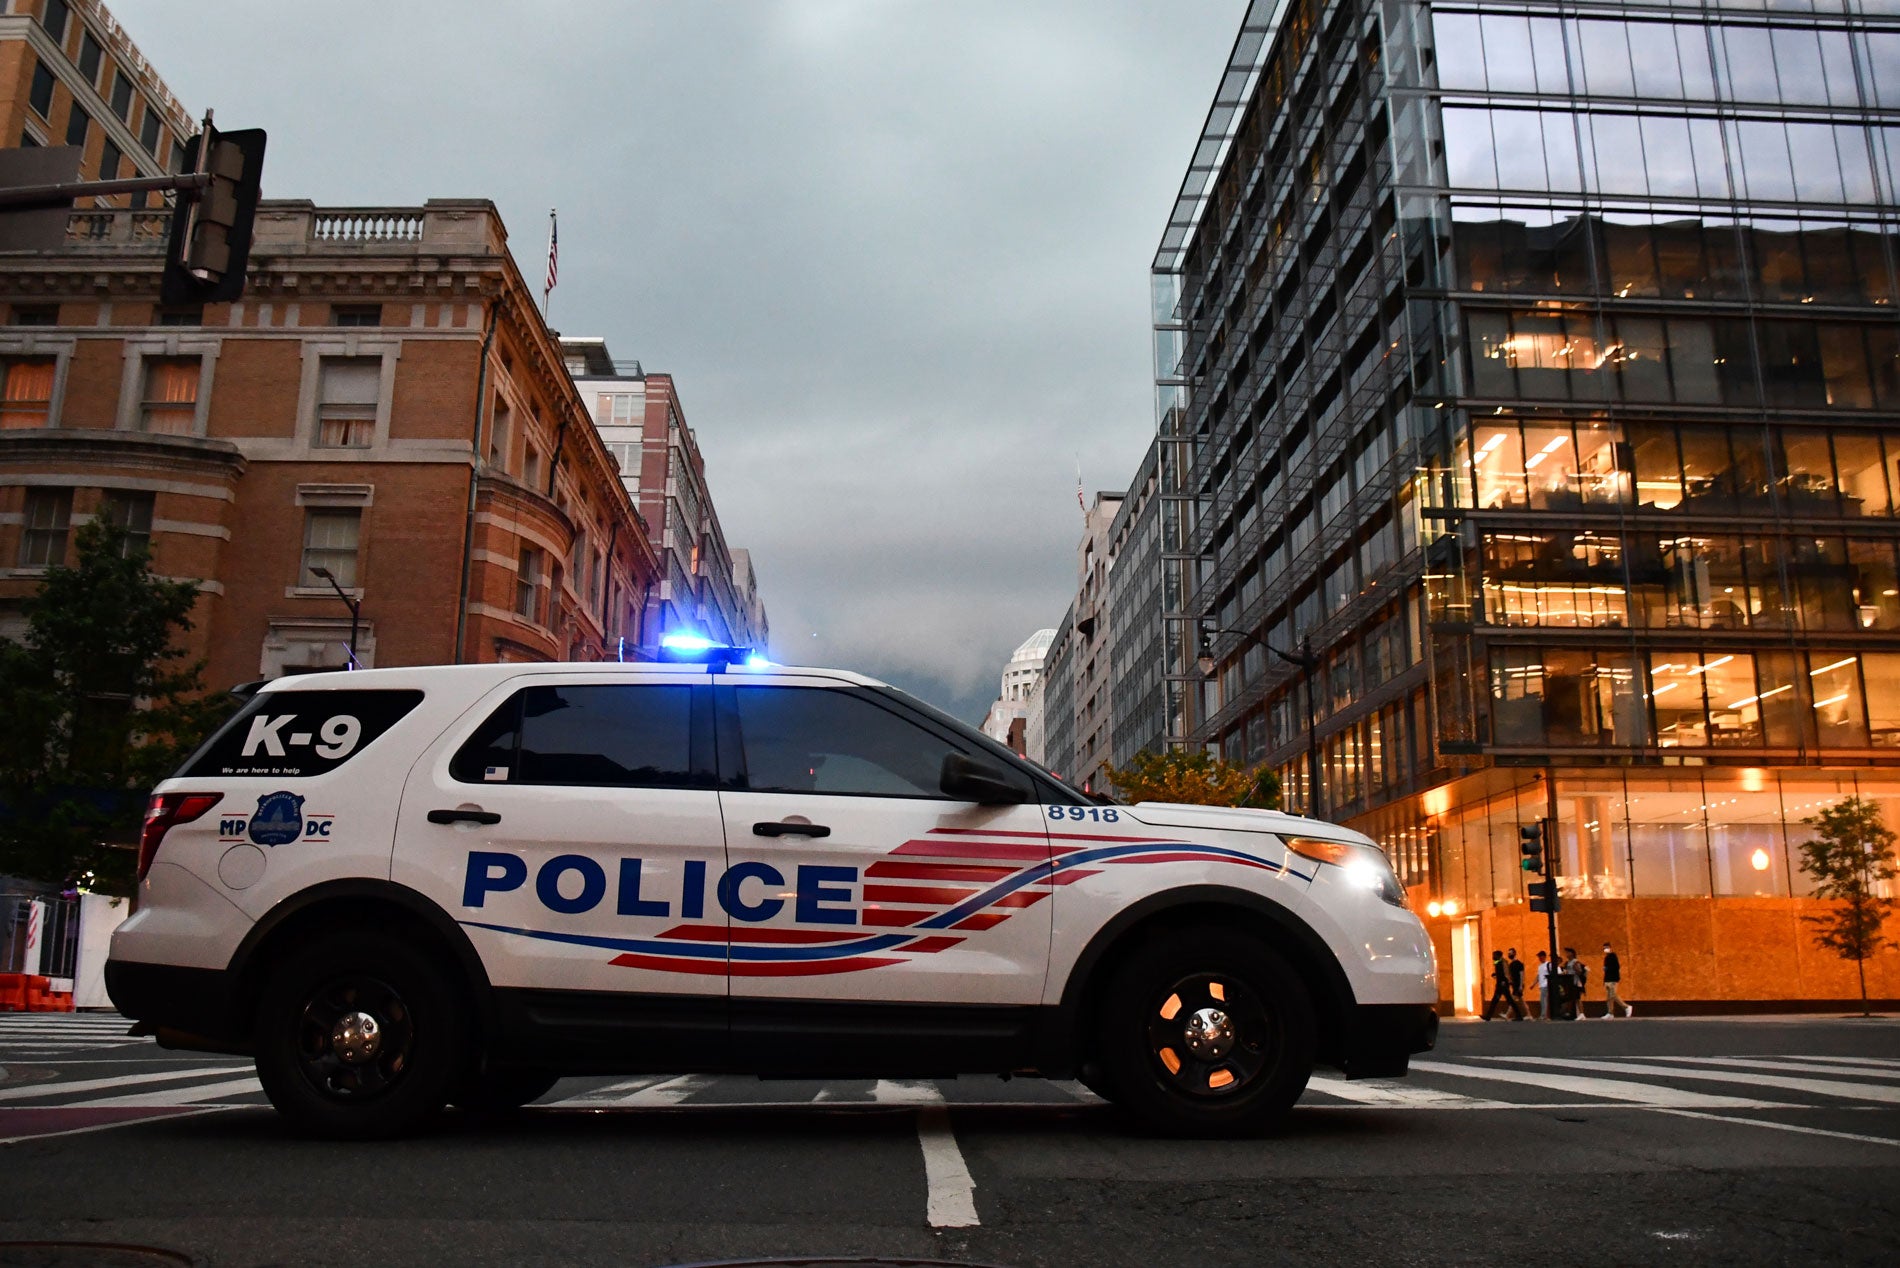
(554, 254)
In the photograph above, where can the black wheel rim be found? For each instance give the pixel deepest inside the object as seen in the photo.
(354, 1070)
(1211, 1036)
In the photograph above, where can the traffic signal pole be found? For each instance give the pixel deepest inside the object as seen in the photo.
(1551, 860)
(64, 193)
(1537, 848)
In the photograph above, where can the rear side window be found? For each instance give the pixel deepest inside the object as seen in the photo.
(296, 734)
(595, 735)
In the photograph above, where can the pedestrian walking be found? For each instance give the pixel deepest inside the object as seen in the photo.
(1501, 989)
(1517, 982)
(1575, 976)
(1612, 985)
(1544, 988)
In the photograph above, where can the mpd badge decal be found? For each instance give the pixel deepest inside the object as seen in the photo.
(279, 819)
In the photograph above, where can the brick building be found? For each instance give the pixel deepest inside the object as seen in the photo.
(384, 403)
(706, 587)
(69, 75)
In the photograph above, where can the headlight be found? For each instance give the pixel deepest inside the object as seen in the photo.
(1364, 865)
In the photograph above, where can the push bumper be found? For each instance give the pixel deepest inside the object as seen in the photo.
(1381, 1038)
(184, 1007)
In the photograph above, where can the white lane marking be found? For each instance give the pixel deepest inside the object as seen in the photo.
(609, 1095)
(193, 1112)
(1873, 1065)
(891, 1092)
(1781, 1065)
(1609, 1089)
(1817, 1087)
(175, 1096)
(1783, 1127)
(1387, 1094)
(123, 1080)
(671, 1092)
(824, 1094)
(951, 1193)
(1070, 1087)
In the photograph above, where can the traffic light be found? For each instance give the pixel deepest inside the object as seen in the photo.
(1544, 896)
(1530, 844)
(211, 227)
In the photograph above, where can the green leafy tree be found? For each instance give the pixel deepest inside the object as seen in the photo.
(1852, 861)
(1195, 778)
(99, 705)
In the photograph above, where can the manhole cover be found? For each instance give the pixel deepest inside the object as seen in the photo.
(87, 1255)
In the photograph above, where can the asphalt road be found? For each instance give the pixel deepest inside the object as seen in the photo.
(1708, 1141)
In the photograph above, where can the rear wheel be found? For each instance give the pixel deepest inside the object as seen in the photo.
(498, 1091)
(1206, 1032)
(358, 1036)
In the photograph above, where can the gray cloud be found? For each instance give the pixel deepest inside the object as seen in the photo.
(894, 253)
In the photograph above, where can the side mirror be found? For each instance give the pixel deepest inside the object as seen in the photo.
(984, 782)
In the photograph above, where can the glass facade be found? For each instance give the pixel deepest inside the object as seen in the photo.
(1538, 364)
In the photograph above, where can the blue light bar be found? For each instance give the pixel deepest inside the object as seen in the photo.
(698, 649)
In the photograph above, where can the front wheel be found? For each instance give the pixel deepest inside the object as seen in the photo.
(359, 1036)
(1206, 1033)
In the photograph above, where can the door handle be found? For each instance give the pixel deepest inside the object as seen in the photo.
(463, 816)
(790, 830)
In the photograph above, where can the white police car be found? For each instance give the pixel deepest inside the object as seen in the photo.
(405, 887)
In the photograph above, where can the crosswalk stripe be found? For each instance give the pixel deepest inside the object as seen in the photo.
(670, 1092)
(1783, 1065)
(1785, 1127)
(892, 1092)
(609, 1095)
(1880, 1063)
(1608, 1089)
(179, 1095)
(1817, 1087)
(1381, 1093)
(123, 1080)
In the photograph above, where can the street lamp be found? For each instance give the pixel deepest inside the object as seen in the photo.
(1305, 659)
(356, 609)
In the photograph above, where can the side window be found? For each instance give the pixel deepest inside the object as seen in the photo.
(296, 734)
(822, 740)
(602, 736)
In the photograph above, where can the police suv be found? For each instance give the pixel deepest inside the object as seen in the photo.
(402, 888)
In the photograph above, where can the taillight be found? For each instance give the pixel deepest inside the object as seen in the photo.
(165, 810)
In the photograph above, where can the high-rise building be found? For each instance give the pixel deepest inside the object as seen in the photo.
(639, 418)
(69, 75)
(1538, 363)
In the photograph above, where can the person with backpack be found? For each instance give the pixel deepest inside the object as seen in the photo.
(1575, 977)
(1516, 967)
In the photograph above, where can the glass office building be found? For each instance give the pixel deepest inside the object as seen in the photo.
(1537, 365)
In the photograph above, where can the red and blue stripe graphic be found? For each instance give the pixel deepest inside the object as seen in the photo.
(926, 896)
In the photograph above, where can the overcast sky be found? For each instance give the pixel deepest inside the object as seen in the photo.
(894, 252)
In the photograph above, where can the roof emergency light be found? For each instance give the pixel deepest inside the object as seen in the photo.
(698, 649)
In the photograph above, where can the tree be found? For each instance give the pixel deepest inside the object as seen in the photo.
(1196, 778)
(99, 706)
(1851, 859)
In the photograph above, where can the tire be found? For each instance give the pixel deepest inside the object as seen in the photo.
(318, 1066)
(499, 1091)
(1206, 1033)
